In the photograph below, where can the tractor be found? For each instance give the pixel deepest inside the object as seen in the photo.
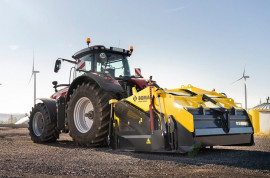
(105, 105)
(82, 107)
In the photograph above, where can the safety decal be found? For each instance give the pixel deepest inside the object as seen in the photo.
(81, 64)
(148, 142)
(138, 72)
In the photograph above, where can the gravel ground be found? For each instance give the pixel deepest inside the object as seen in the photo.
(20, 157)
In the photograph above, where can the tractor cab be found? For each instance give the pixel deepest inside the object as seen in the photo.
(111, 61)
(109, 64)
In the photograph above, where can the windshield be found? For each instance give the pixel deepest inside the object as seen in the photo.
(116, 65)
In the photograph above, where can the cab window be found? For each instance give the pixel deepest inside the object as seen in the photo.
(116, 65)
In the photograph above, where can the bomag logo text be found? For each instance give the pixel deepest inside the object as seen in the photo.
(141, 98)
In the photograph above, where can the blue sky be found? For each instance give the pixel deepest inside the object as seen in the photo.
(205, 43)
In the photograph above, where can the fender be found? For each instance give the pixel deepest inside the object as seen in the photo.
(51, 107)
(110, 84)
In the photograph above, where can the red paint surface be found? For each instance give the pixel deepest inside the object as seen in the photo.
(141, 82)
(60, 93)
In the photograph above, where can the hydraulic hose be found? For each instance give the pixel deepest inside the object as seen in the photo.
(160, 113)
(161, 116)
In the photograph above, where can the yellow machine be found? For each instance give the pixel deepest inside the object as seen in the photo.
(158, 120)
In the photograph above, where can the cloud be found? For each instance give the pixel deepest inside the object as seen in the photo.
(13, 47)
(174, 9)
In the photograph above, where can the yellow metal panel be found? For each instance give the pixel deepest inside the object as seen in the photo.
(171, 105)
(219, 97)
(178, 101)
(254, 116)
(141, 99)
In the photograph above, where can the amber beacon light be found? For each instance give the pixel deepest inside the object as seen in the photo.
(88, 41)
(131, 48)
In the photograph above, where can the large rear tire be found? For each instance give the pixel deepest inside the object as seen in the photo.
(41, 127)
(88, 113)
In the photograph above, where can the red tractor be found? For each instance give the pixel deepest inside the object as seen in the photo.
(82, 106)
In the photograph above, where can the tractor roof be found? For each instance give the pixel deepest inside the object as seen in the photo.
(100, 48)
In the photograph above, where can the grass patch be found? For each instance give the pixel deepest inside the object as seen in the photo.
(267, 134)
(195, 149)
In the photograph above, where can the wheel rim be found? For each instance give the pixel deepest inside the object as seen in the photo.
(83, 115)
(38, 124)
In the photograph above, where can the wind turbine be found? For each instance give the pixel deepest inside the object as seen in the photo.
(34, 72)
(245, 77)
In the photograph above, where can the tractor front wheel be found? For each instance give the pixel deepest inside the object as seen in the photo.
(41, 127)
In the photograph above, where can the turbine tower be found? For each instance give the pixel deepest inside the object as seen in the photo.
(34, 72)
(245, 77)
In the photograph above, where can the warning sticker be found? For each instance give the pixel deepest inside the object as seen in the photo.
(138, 72)
(148, 142)
(80, 65)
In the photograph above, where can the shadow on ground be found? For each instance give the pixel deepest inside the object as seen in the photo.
(249, 159)
(225, 156)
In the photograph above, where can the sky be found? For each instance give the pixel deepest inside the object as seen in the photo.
(204, 43)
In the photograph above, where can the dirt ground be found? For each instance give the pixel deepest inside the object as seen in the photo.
(19, 157)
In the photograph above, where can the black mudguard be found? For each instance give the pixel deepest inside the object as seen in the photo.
(107, 85)
(51, 107)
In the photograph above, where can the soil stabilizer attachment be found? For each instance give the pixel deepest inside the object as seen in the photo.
(182, 118)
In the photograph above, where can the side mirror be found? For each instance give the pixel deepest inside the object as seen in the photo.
(57, 65)
(54, 83)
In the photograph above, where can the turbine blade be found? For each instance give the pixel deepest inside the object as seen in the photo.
(244, 70)
(238, 80)
(33, 67)
(30, 78)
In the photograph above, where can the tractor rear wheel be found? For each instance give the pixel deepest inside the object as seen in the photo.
(41, 127)
(88, 113)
